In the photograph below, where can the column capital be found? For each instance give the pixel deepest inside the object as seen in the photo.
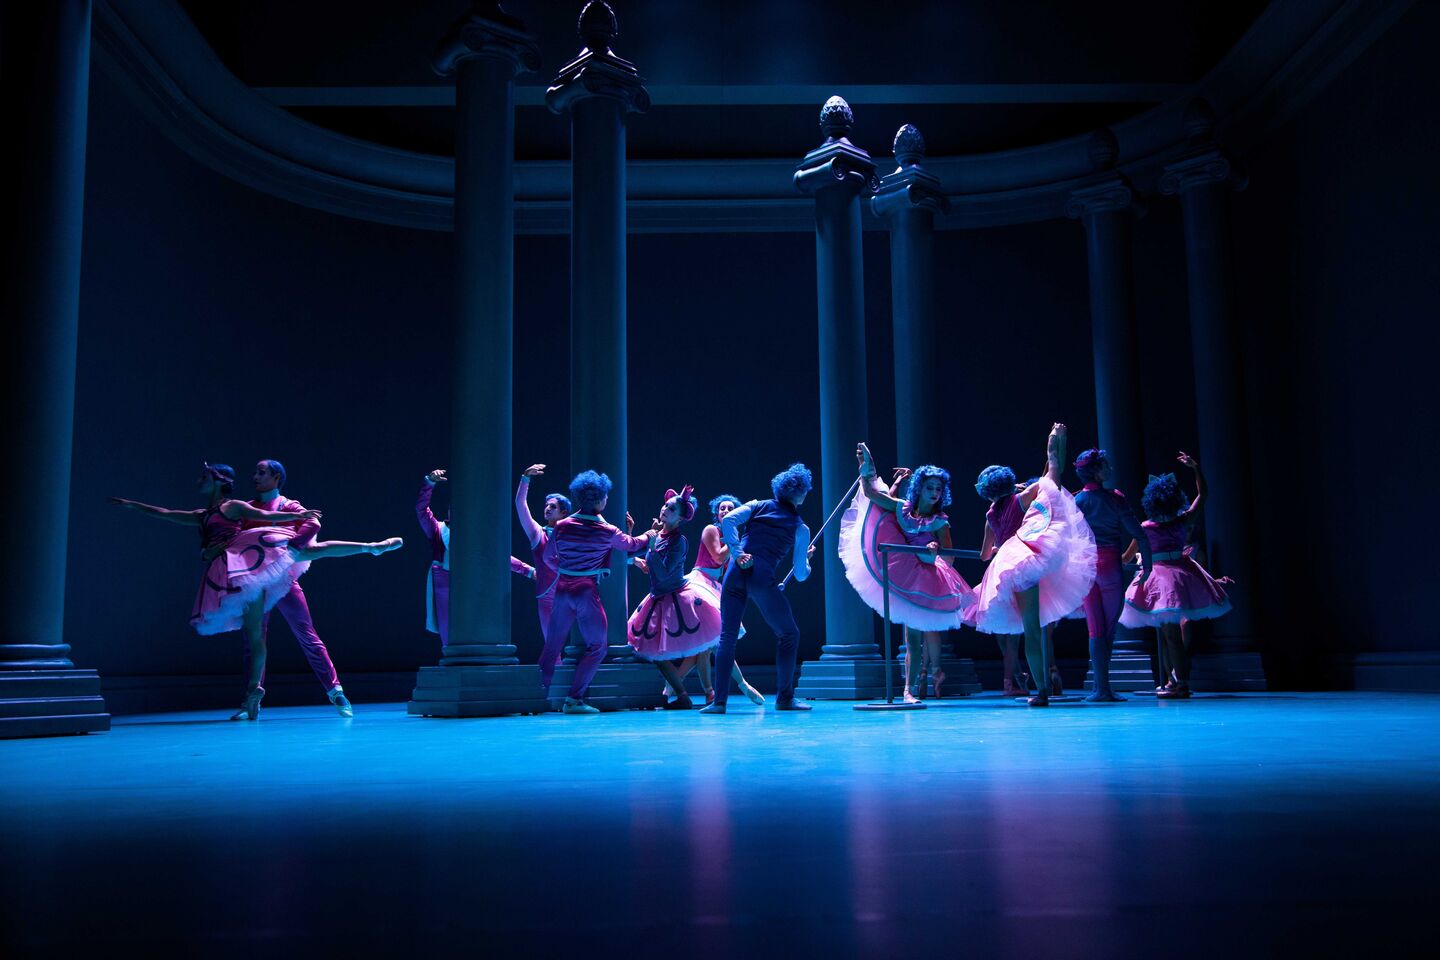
(486, 31)
(597, 71)
(1112, 193)
(837, 160)
(1208, 165)
(909, 185)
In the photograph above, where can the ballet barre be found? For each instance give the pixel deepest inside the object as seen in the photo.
(885, 550)
(816, 536)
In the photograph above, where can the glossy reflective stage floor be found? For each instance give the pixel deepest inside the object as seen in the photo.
(1227, 826)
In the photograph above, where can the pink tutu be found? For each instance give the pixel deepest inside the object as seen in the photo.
(924, 594)
(1053, 549)
(676, 625)
(1177, 590)
(257, 562)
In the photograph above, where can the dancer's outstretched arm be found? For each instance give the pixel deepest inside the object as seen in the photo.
(1054, 463)
(240, 510)
(522, 504)
(730, 532)
(187, 518)
(1201, 490)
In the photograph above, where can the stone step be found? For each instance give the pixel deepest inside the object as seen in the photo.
(43, 703)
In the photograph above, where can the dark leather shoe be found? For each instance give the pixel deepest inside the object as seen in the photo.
(792, 705)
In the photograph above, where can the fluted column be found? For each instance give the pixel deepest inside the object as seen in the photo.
(597, 90)
(45, 67)
(1203, 181)
(837, 174)
(484, 51)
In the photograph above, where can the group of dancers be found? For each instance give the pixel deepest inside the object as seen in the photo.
(1051, 555)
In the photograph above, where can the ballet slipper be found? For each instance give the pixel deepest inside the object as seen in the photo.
(753, 695)
(250, 706)
(385, 546)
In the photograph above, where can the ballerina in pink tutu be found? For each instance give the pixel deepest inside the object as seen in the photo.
(712, 559)
(1177, 589)
(927, 595)
(676, 619)
(247, 571)
(1043, 557)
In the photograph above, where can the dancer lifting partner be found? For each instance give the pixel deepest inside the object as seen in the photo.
(927, 595)
(437, 585)
(676, 619)
(247, 571)
(1044, 563)
(773, 530)
(1177, 588)
(1114, 524)
(583, 544)
(269, 479)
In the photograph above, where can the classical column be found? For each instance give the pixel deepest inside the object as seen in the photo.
(45, 64)
(484, 50)
(598, 89)
(837, 174)
(1203, 180)
(1106, 209)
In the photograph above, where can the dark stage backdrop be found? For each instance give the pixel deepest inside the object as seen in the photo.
(218, 323)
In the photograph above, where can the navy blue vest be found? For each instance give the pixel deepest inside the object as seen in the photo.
(770, 534)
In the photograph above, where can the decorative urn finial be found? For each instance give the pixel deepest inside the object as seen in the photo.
(836, 118)
(909, 146)
(598, 26)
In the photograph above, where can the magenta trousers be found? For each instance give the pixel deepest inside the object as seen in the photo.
(576, 603)
(1107, 595)
(296, 612)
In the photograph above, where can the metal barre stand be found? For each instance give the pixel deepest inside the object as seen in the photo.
(885, 550)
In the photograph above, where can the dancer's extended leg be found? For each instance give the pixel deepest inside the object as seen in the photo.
(345, 548)
(775, 608)
(733, 600)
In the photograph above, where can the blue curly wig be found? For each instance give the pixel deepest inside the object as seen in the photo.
(561, 499)
(1091, 464)
(794, 479)
(995, 482)
(917, 482)
(1163, 499)
(723, 498)
(589, 488)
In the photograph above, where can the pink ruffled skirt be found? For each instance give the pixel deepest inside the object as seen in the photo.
(1054, 550)
(676, 625)
(257, 563)
(923, 595)
(1177, 590)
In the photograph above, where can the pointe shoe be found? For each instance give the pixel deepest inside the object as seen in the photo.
(753, 695)
(342, 705)
(577, 707)
(385, 546)
(682, 702)
(714, 709)
(911, 698)
(936, 679)
(792, 705)
(1039, 700)
(250, 706)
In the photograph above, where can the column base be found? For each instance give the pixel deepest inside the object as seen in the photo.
(865, 679)
(850, 651)
(1227, 672)
(479, 655)
(617, 686)
(476, 691)
(1129, 673)
(49, 703)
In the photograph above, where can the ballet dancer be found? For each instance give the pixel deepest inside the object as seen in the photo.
(247, 571)
(557, 507)
(773, 530)
(711, 561)
(676, 620)
(583, 544)
(437, 584)
(1043, 557)
(1172, 587)
(269, 479)
(927, 595)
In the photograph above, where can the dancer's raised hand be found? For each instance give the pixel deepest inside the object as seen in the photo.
(1188, 460)
(900, 473)
(436, 476)
(867, 462)
(629, 522)
(535, 470)
(307, 514)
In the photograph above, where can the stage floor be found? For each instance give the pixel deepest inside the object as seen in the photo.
(1246, 825)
